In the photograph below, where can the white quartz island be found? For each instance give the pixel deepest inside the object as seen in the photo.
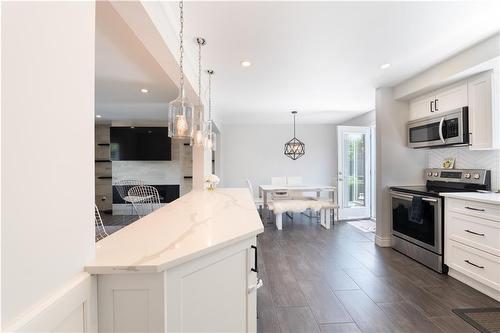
(187, 267)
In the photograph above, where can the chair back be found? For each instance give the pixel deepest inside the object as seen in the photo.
(123, 186)
(278, 181)
(145, 199)
(100, 231)
(250, 187)
(294, 181)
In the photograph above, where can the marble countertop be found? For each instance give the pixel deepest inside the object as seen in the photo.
(196, 224)
(489, 197)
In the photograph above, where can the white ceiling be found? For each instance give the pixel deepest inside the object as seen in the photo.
(123, 67)
(323, 58)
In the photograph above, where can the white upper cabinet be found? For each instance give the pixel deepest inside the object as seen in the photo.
(445, 99)
(480, 93)
(484, 119)
(451, 97)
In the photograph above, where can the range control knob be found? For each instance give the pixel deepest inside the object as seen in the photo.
(429, 173)
(435, 174)
(476, 176)
(467, 175)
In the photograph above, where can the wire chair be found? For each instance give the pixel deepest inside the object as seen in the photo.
(124, 186)
(100, 231)
(145, 199)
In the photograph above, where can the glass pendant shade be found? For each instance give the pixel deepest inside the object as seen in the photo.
(198, 125)
(180, 118)
(210, 137)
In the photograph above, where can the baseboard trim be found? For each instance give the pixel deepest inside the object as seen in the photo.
(76, 299)
(383, 241)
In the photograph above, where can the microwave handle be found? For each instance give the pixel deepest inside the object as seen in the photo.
(441, 123)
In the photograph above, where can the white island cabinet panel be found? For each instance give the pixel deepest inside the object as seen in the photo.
(187, 267)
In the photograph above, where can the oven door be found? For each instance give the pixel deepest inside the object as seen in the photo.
(427, 232)
(450, 128)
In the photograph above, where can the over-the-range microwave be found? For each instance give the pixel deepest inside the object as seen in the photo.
(444, 129)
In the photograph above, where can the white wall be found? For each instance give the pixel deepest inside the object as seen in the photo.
(256, 152)
(366, 119)
(46, 149)
(396, 163)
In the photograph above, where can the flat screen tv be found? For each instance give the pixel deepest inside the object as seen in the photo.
(140, 144)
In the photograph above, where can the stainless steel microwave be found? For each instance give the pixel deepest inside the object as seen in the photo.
(445, 129)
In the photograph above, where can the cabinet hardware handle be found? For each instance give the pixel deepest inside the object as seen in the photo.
(255, 267)
(432, 102)
(436, 105)
(474, 233)
(476, 209)
(473, 264)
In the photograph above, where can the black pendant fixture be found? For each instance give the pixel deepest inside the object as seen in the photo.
(295, 148)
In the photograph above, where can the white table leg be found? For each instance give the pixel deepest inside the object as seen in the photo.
(325, 219)
(279, 221)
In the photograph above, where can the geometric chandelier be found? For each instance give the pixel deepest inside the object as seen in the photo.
(295, 148)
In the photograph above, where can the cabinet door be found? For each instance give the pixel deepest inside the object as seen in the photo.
(422, 107)
(214, 293)
(451, 97)
(481, 111)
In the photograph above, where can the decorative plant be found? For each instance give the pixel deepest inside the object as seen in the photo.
(212, 181)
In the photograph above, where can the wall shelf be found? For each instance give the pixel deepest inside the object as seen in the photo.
(100, 161)
(104, 177)
(103, 144)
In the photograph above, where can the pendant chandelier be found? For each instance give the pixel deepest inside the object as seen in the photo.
(295, 148)
(210, 136)
(199, 110)
(180, 111)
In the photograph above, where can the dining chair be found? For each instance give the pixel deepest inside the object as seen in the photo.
(100, 231)
(259, 202)
(294, 180)
(145, 199)
(124, 186)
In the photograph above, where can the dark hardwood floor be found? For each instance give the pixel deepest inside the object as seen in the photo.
(338, 280)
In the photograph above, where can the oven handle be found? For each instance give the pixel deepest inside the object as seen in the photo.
(410, 197)
(441, 122)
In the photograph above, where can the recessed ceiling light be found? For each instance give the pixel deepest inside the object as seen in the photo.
(144, 91)
(245, 63)
(98, 116)
(384, 66)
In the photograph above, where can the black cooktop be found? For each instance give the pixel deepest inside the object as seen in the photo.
(419, 189)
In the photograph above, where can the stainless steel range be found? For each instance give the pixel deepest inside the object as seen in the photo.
(417, 212)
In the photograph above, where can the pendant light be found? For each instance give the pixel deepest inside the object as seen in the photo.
(295, 148)
(211, 136)
(180, 111)
(199, 110)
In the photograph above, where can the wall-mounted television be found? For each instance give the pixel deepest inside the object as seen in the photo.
(140, 144)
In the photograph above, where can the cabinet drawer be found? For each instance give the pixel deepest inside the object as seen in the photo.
(473, 231)
(476, 264)
(475, 208)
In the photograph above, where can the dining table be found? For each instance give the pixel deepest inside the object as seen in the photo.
(266, 189)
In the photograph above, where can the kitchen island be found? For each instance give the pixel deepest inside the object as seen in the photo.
(189, 266)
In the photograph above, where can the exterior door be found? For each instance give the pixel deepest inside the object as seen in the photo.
(354, 188)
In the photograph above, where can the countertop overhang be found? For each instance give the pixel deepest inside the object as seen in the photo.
(194, 225)
(488, 197)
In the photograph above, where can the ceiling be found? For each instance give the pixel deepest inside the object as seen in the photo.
(324, 58)
(320, 58)
(123, 67)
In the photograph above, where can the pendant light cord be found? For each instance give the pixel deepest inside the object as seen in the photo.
(210, 73)
(181, 48)
(294, 125)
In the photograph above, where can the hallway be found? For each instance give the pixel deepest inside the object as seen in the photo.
(337, 280)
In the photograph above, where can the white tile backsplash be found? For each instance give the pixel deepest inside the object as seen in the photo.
(468, 159)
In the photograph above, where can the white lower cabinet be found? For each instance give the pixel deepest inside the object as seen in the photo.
(212, 293)
(472, 244)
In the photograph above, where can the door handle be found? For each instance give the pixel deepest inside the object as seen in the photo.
(436, 105)
(473, 264)
(441, 123)
(432, 102)
(473, 232)
(255, 267)
(476, 209)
